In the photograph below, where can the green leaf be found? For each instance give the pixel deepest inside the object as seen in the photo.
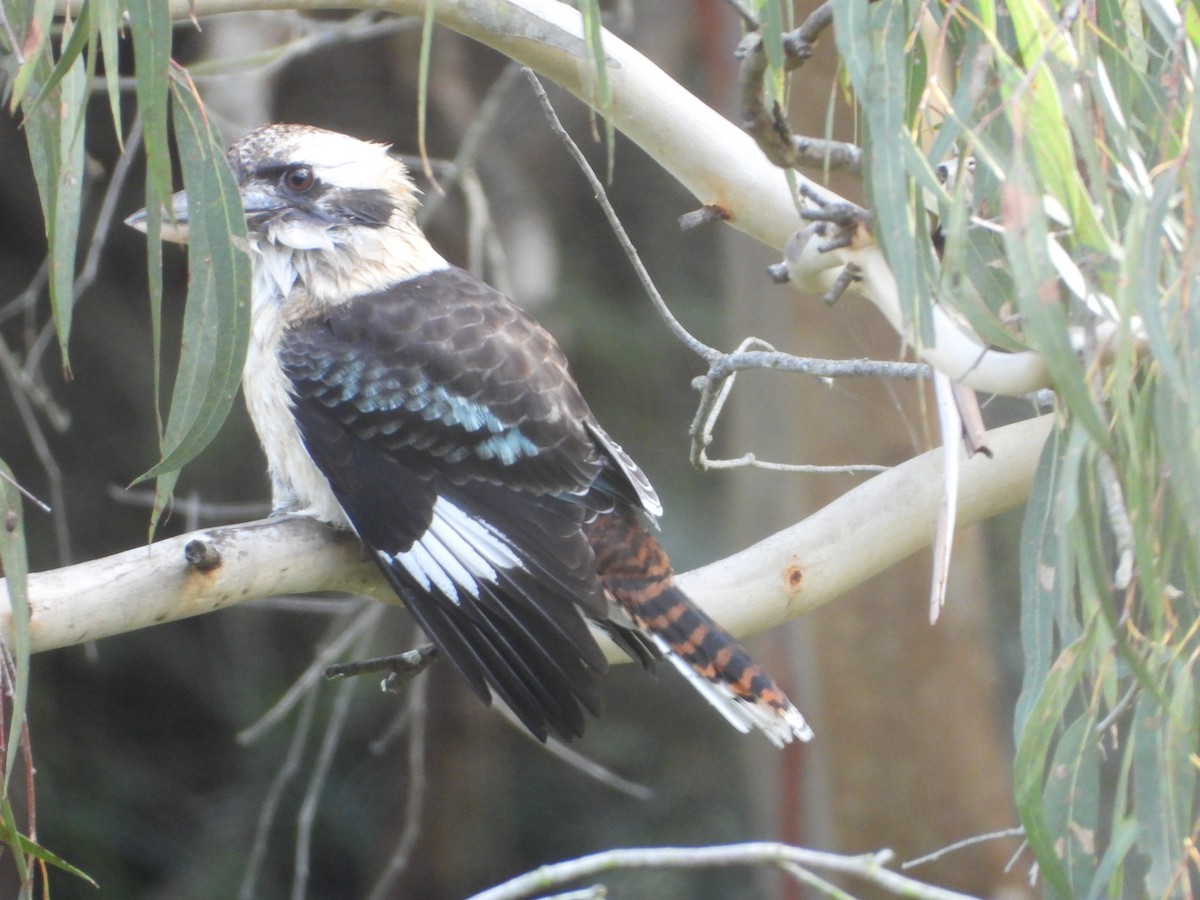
(601, 94)
(37, 851)
(1029, 766)
(108, 23)
(978, 259)
(1041, 577)
(150, 24)
(1039, 107)
(1177, 426)
(1039, 296)
(10, 832)
(35, 41)
(1108, 873)
(872, 40)
(1072, 800)
(217, 318)
(1163, 779)
(55, 135)
(14, 561)
(423, 63)
(68, 197)
(76, 37)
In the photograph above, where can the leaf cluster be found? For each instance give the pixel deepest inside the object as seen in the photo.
(1069, 228)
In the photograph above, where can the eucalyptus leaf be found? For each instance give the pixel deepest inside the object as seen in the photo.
(217, 318)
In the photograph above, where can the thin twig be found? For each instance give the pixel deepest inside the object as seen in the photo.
(41, 449)
(715, 386)
(204, 511)
(769, 127)
(307, 816)
(417, 721)
(108, 208)
(820, 368)
(750, 461)
(407, 665)
(4, 476)
(811, 879)
(749, 19)
(578, 761)
(318, 35)
(960, 845)
(482, 121)
(270, 804)
(364, 620)
(689, 340)
(28, 297)
(1123, 704)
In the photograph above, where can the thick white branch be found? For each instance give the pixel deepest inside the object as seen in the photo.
(709, 155)
(858, 535)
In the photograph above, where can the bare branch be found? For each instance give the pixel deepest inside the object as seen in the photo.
(270, 806)
(963, 844)
(416, 720)
(870, 867)
(770, 128)
(404, 666)
(688, 339)
(805, 566)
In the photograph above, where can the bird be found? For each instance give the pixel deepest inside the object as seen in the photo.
(399, 396)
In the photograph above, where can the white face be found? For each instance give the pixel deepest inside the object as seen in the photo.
(308, 189)
(329, 212)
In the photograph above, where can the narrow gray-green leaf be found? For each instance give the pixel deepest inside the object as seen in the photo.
(1039, 296)
(150, 23)
(593, 32)
(872, 40)
(1072, 800)
(76, 36)
(14, 561)
(36, 44)
(1163, 783)
(1033, 750)
(217, 319)
(1040, 577)
(108, 22)
(63, 225)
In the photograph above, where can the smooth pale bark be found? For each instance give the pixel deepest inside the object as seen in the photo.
(861, 533)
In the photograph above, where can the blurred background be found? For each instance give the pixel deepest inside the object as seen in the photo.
(152, 774)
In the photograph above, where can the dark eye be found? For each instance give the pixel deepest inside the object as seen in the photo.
(299, 179)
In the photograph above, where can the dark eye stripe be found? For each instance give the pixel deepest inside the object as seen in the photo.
(367, 206)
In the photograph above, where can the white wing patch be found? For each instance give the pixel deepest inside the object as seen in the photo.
(455, 553)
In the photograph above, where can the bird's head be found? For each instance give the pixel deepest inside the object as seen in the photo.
(324, 209)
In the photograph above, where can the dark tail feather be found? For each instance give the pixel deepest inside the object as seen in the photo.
(637, 575)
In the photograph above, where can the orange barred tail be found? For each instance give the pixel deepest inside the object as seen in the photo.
(637, 575)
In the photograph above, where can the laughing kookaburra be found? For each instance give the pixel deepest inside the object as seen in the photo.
(399, 396)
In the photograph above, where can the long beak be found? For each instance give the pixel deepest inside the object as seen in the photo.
(176, 231)
(257, 202)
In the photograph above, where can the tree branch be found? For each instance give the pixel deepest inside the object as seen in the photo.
(871, 867)
(858, 535)
(709, 155)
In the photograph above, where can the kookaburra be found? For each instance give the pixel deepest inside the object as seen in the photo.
(400, 396)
